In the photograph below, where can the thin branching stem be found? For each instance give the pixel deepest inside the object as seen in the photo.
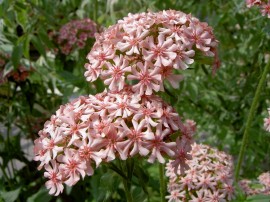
(250, 118)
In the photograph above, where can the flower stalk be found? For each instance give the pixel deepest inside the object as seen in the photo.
(127, 190)
(250, 118)
(162, 182)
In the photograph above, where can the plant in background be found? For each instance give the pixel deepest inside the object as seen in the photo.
(74, 35)
(210, 177)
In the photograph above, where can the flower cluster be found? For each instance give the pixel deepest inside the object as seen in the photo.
(18, 75)
(267, 122)
(264, 6)
(209, 178)
(262, 186)
(75, 34)
(145, 49)
(109, 125)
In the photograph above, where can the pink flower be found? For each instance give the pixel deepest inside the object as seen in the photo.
(206, 181)
(135, 141)
(264, 179)
(200, 196)
(132, 41)
(183, 57)
(99, 55)
(110, 142)
(124, 106)
(181, 155)
(148, 113)
(88, 150)
(72, 166)
(50, 146)
(196, 34)
(251, 3)
(155, 143)
(214, 197)
(149, 80)
(176, 196)
(55, 183)
(163, 53)
(265, 9)
(116, 72)
(167, 73)
(170, 118)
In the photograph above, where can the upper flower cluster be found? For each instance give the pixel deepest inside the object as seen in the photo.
(75, 34)
(210, 177)
(145, 49)
(106, 126)
(267, 122)
(261, 187)
(263, 4)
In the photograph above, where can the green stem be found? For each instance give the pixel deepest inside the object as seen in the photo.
(162, 182)
(250, 118)
(5, 175)
(95, 10)
(127, 191)
(126, 182)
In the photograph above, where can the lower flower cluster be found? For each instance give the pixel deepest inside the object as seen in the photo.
(210, 177)
(109, 125)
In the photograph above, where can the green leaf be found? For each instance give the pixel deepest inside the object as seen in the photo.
(70, 78)
(10, 196)
(16, 55)
(138, 195)
(142, 177)
(26, 45)
(99, 85)
(259, 198)
(117, 170)
(109, 182)
(38, 45)
(8, 68)
(202, 59)
(193, 91)
(130, 168)
(41, 196)
(22, 18)
(45, 39)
